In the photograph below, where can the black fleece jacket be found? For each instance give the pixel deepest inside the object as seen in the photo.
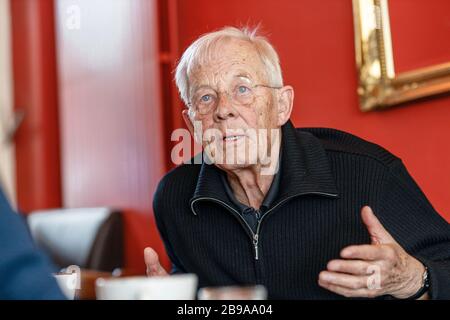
(327, 176)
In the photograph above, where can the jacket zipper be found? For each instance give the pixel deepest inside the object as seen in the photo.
(244, 223)
(255, 236)
(255, 244)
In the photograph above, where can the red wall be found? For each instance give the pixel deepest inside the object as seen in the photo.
(421, 44)
(315, 43)
(35, 94)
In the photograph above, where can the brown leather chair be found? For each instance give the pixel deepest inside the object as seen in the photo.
(91, 238)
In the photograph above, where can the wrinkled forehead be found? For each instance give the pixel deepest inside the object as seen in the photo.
(223, 62)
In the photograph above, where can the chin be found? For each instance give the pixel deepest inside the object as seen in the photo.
(234, 155)
(237, 163)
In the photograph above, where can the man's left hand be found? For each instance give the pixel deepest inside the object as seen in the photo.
(379, 268)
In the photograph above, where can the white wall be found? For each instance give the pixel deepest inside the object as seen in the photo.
(7, 161)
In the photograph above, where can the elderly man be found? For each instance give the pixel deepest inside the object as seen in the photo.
(319, 214)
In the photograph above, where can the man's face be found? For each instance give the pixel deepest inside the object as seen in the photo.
(227, 99)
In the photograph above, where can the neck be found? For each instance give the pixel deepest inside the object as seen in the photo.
(250, 185)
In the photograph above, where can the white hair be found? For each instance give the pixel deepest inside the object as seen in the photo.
(201, 50)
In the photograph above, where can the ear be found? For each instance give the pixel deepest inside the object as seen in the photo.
(285, 104)
(188, 121)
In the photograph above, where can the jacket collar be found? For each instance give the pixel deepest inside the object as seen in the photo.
(304, 169)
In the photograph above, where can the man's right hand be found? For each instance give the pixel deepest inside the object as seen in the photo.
(154, 268)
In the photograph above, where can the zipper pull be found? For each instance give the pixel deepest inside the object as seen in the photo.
(255, 243)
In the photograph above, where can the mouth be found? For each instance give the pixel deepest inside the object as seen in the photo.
(232, 138)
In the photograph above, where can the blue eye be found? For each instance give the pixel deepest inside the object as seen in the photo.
(243, 89)
(205, 98)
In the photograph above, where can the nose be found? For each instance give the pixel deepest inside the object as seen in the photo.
(225, 109)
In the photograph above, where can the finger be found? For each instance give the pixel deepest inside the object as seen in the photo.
(378, 234)
(343, 280)
(363, 252)
(349, 293)
(151, 259)
(355, 267)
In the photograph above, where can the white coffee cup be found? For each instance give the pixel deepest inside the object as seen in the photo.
(67, 282)
(257, 292)
(176, 287)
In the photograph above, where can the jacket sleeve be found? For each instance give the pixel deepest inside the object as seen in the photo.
(25, 273)
(160, 211)
(410, 218)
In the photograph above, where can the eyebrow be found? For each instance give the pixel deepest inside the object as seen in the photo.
(244, 75)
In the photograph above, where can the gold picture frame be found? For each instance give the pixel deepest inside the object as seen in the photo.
(379, 86)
